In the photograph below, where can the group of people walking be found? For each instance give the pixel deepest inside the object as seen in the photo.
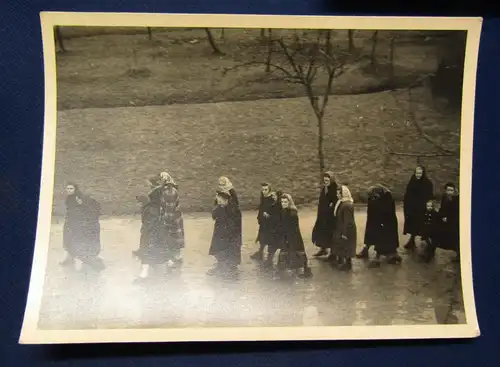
(334, 232)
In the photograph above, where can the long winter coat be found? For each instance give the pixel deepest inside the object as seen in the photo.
(382, 224)
(82, 230)
(291, 244)
(151, 250)
(226, 238)
(449, 231)
(172, 222)
(418, 192)
(345, 225)
(322, 234)
(268, 226)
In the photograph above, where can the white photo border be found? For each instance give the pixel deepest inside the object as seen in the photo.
(30, 333)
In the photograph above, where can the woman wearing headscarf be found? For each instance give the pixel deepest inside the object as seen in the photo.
(418, 191)
(381, 226)
(292, 251)
(225, 185)
(82, 230)
(322, 233)
(345, 234)
(226, 238)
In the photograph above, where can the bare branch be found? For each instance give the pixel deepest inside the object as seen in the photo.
(289, 57)
(286, 73)
(390, 151)
(328, 89)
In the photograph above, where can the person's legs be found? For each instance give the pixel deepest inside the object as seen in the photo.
(410, 245)
(429, 251)
(364, 253)
(259, 254)
(271, 251)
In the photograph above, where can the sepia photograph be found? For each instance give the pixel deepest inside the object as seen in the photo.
(245, 177)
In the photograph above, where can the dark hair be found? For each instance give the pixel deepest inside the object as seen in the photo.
(449, 184)
(264, 184)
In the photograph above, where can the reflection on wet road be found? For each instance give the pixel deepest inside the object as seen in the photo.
(410, 293)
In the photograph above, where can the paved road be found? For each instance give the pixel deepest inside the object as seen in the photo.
(411, 293)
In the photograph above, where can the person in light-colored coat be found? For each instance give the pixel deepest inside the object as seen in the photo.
(345, 234)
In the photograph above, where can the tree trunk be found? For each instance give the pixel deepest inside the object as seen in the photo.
(321, 155)
(222, 35)
(150, 33)
(328, 42)
(262, 35)
(296, 38)
(59, 38)
(269, 49)
(373, 57)
(212, 43)
(350, 35)
(391, 58)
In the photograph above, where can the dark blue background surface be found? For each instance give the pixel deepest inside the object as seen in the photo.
(21, 126)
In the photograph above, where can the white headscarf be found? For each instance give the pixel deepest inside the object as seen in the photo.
(227, 185)
(345, 197)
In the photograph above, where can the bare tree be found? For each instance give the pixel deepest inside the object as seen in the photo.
(328, 41)
(262, 35)
(150, 33)
(269, 50)
(222, 33)
(391, 56)
(350, 35)
(211, 41)
(307, 64)
(373, 55)
(58, 37)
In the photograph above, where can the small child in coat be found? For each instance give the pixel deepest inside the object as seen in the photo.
(429, 231)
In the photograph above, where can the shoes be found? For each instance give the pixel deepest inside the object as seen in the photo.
(320, 253)
(363, 254)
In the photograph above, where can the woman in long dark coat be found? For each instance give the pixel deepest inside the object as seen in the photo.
(418, 191)
(448, 227)
(322, 233)
(226, 238)
(345, 234)
(82, 230)
(265, 220)
(291, 244)
(274, 222)
(381, 226)
(150, 235)
(268, 219)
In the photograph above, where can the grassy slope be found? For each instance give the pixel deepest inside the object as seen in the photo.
(111, 152)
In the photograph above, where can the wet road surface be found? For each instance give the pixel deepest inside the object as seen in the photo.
(410, 293)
